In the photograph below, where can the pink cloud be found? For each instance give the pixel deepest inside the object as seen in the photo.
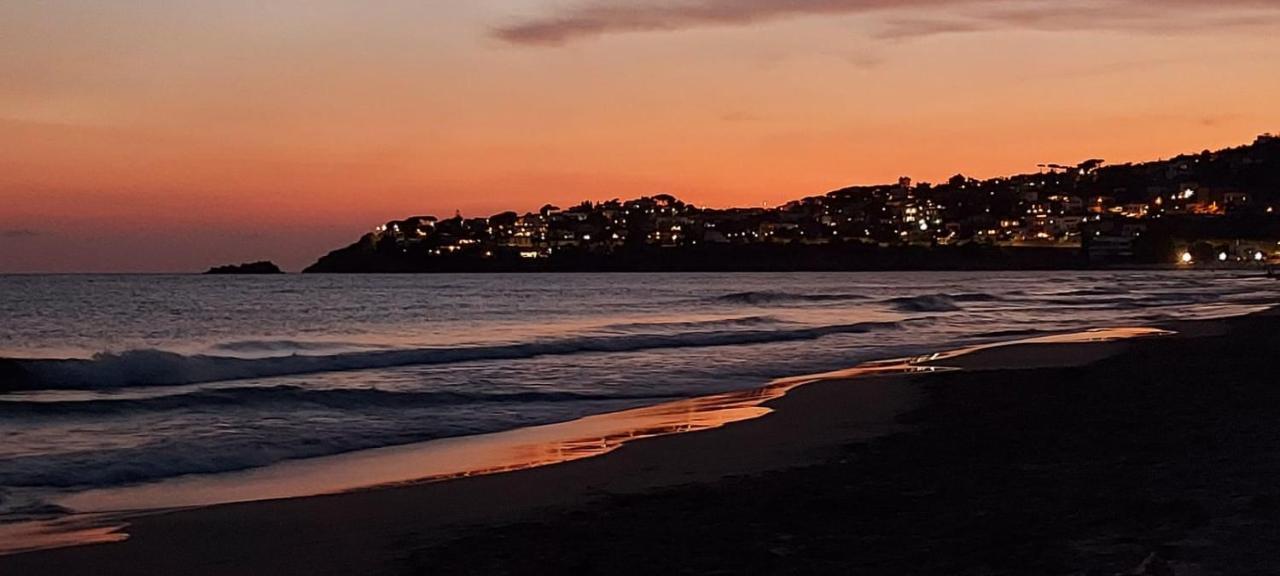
(605, 17)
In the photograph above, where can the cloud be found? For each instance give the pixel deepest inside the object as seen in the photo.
(18, 233)
(904, 28)
(610, 17)
(913, 17)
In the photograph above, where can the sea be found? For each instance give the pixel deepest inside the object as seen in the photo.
(120, 380)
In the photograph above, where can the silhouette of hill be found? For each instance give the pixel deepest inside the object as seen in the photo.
(1212, 207)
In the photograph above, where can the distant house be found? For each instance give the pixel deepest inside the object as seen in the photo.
(1112, 238)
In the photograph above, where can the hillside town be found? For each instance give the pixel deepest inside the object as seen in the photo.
(1211, 207)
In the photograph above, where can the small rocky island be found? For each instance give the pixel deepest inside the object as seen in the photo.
(263, 267)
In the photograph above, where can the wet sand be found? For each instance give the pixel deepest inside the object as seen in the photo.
(946, 473)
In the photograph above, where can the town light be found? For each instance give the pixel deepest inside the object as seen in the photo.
(1186, 258)
(1222, 256)
(1258, 256)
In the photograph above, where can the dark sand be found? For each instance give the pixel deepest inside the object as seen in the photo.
(1168, 445)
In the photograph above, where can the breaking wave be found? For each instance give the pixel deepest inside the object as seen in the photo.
(740, 322)
(925, 303)
(288, 346)
(271, 396)
(761, 298)
(162, 368)
(939, 302)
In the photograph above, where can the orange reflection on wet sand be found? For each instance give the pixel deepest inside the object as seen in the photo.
(72, 530)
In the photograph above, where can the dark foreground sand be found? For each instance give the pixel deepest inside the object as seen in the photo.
(1168, 445)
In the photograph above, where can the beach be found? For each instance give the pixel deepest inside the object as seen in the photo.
(708, 287)
(1044, 458)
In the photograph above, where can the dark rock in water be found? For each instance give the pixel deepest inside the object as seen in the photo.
(263, 267)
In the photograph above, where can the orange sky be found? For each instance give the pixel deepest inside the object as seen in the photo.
(152, 135)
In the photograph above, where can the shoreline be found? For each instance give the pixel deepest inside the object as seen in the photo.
(540, 445)
(603, 470)
(1157, 458)
(1262, 271)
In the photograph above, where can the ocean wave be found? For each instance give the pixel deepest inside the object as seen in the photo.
(100, 468)
(925, 303)
(974, 297)
(949, 302)
(740, 322)
(1012, 333)
(294, 396)
(1092, 292)
(161, 368)
(761, 298)
(278, 346)
(1129, 301)
(17, 507)
(292, 432)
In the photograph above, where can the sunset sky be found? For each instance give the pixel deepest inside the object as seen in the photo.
(171, 135)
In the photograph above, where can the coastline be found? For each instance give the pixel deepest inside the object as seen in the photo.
(808, 425)
(1260, 270)
(1157, 458)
